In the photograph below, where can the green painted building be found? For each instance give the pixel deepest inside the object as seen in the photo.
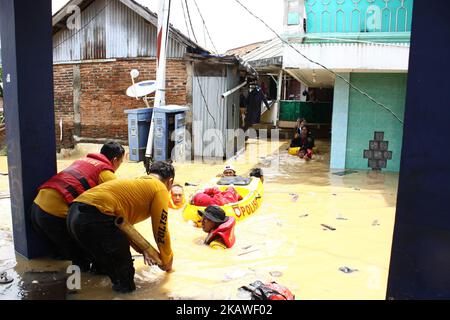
(366, 45)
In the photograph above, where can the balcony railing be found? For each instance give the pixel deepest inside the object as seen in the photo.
(358, 16)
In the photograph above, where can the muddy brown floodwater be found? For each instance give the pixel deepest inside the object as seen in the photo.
(324, 236)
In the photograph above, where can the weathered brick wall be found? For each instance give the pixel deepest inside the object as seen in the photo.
(63, 97)
(103, 99)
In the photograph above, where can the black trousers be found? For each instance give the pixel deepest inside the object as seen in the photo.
(109, 247)
(54, 229)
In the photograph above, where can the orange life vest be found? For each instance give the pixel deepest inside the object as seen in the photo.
(225, 231)
(79, 176)
(175, 207)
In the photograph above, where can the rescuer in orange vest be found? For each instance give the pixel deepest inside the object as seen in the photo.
(50, 207)
(220, 228)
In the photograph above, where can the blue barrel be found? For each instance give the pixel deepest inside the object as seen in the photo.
(138, 129)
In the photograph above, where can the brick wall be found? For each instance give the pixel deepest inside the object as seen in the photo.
(103, 99)
(63, 97)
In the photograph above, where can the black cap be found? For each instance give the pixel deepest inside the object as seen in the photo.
(214, 213)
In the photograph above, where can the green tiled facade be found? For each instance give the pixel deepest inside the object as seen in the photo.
(365, 117)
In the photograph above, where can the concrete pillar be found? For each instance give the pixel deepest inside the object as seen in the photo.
(278, 103)
(420, 258)
(339, 124)
(26, 33)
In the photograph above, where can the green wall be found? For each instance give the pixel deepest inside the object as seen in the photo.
(365, 117)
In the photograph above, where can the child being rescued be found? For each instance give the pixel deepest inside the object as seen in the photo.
(220, 228)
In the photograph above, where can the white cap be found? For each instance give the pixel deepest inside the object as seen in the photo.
(228, 167)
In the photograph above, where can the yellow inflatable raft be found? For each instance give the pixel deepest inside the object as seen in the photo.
(252, 198)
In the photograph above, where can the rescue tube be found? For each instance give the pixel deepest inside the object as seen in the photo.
(294, 151)
(175, 207)
(251, 201)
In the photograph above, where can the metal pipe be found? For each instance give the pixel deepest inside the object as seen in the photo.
(97, 140)
(226, 94)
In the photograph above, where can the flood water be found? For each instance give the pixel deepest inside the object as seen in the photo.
(290, 239)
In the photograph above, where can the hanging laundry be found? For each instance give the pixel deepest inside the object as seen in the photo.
(254, 99)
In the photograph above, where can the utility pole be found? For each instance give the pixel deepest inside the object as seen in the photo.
(161, 53)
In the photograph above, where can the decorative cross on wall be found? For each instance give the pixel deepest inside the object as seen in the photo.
(378, 154)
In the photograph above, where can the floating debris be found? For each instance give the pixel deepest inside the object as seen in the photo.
(327, 227)
(375, 223)
(334, 194)
(341, 217)
(45, 285)
(344, 173)
(4, 279)
(189, 184)
(304, 215)
(347, 270)
(237, 274)
(5, 195)
(276, 274)
(241, 254)
(357, 189)
(294, 197)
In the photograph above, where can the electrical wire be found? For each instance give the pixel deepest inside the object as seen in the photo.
(207, 107)
(204, 25)
(190, 20)
(108, 2)
(185, 20)
(322, 66)
(201, 89)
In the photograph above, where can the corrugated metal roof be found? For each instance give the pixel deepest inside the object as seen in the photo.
(271, 49)
(86, 44)
(242, 51)
(112, 29)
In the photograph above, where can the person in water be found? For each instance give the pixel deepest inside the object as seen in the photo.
(177, 199)
(305, 143)
(228, 171)
(257, 173)
(91, 222)
(220, 228)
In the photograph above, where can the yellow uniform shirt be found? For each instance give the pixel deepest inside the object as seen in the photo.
(135, 200)
(52, 202)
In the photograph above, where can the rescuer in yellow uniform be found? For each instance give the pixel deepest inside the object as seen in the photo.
(91, 221)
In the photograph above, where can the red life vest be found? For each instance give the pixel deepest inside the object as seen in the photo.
(269, 291)
(225, 231)
(80, 176)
